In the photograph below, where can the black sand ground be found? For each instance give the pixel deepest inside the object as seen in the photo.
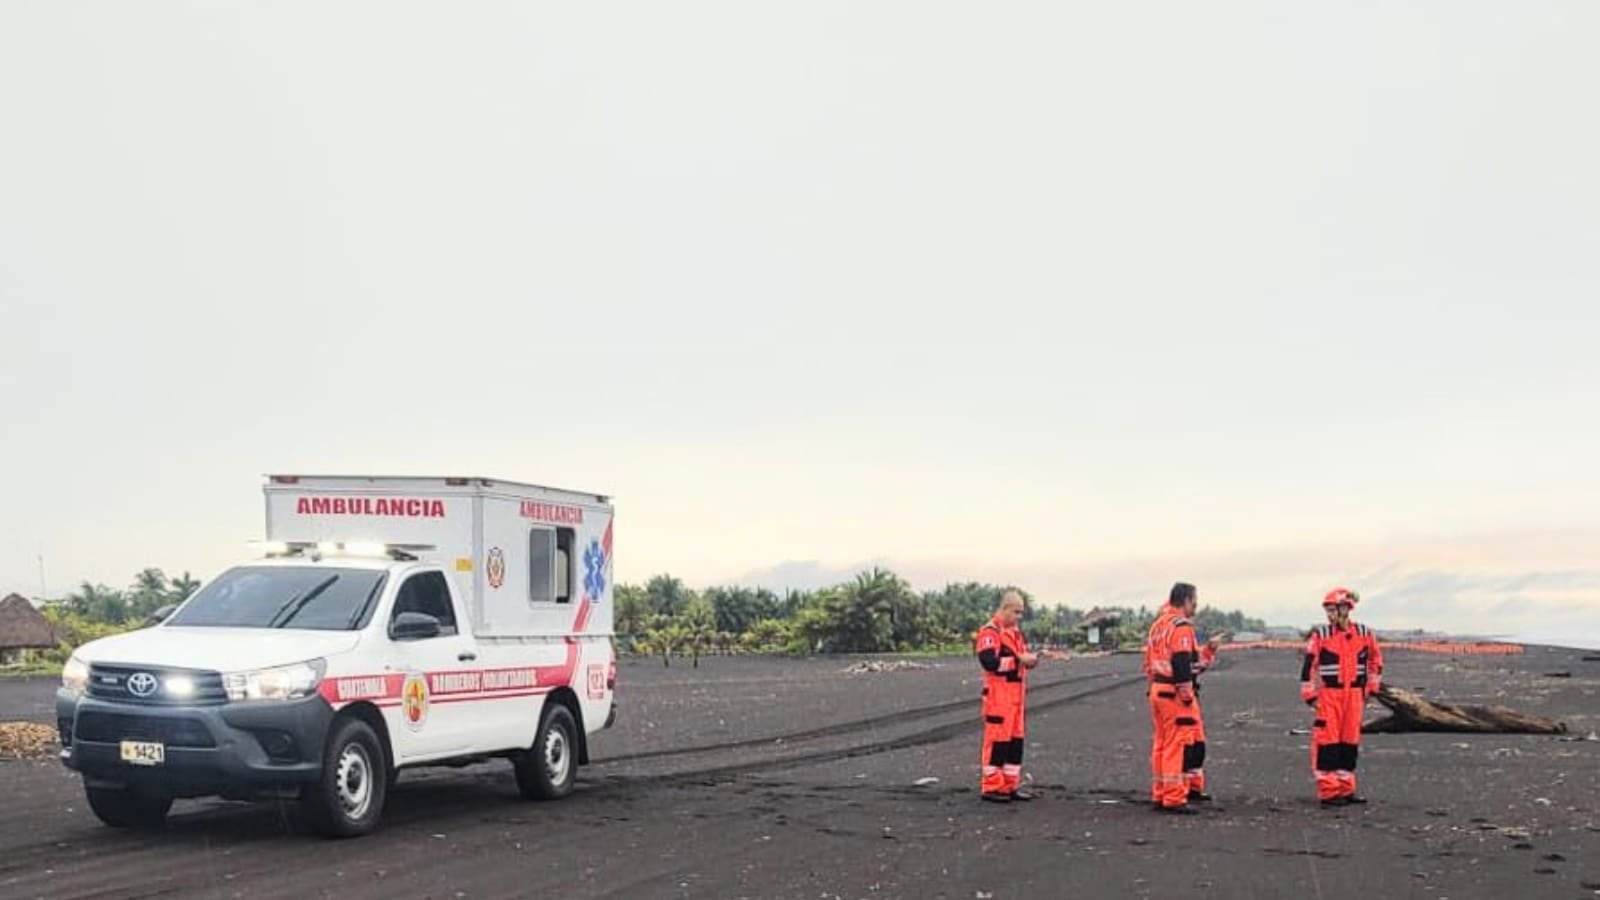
(774, 778)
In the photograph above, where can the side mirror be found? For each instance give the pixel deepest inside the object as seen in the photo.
(161, 615)
(413, 626)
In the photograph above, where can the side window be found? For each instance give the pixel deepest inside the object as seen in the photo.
(564, 540)
(427, 593)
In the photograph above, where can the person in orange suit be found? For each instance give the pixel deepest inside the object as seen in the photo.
(1171, 658)
(1003, 653)
(1343, 667)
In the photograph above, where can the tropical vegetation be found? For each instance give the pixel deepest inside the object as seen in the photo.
(875, 612)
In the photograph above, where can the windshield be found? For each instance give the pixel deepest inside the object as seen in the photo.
(313, 597)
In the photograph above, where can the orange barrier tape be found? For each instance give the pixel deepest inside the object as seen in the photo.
(1443, 647)
(1481, 649)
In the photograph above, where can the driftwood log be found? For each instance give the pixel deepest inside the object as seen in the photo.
(1413, 713)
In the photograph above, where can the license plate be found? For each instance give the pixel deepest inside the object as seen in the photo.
(143, 753)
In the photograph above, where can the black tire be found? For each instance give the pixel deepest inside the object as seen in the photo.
(547, 770)
(129, 807)
(348, 799)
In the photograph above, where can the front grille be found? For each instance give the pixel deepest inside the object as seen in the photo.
(115, 682)
(174, 731)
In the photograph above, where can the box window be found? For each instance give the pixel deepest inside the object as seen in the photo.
(550, 565)
(564, 541)
(542, 565)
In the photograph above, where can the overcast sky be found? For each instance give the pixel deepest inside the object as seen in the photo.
(1087, 296)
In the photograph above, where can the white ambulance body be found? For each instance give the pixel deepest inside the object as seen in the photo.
(392, 622)
(528, 560)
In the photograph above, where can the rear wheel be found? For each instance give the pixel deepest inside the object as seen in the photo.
(548, 769)
(129, 807)
(348, 799)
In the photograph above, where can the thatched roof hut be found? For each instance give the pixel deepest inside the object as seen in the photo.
(1099, 625)
(22, 627)
(1105, 618)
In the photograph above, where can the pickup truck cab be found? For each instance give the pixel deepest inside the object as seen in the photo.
(326, 666)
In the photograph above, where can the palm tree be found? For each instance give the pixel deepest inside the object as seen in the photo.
(667, 594)
(151, 580)
(632, 610)
(149, 593)
(98, 603)
(183, 587)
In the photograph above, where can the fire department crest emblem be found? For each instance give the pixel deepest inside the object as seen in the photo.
(495, 568)
(414, 702)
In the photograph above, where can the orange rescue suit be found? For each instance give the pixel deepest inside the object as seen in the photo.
(1171, 661)
(1004, 695)
(1342, 668)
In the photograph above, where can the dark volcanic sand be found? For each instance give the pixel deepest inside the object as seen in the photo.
(833, 810)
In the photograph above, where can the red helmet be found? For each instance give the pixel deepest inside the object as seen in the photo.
(1341, 597)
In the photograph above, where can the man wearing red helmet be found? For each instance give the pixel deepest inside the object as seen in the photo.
(1342, 668)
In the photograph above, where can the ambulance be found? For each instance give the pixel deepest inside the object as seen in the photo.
(384, 623)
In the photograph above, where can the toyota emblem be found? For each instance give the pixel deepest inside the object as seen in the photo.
(141, 684)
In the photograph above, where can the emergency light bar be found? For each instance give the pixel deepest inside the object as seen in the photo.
(318, 549)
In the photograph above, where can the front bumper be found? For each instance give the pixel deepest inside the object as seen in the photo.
(237, 750)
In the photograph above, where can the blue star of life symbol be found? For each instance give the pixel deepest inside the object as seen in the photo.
(594, 565)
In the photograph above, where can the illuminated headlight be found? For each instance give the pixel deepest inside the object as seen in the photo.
(280, 683)
(75, 675)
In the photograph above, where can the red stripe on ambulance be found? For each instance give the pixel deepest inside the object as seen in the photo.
(462, 684)
(351, 688)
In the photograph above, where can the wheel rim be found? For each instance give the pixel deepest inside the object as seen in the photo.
(556, 758)
(353, 781)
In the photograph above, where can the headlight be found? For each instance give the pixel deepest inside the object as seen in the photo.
(75, 675)
(280, 683)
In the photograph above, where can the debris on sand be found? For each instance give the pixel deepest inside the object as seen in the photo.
(1413, 713)
(1513, 832)
(881, 665)
(26, 740)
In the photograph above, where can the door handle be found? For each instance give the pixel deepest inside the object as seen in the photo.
(466, 655)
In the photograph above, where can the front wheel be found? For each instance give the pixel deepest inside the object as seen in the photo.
(548, 769)
(349, 797)
(129, 807)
